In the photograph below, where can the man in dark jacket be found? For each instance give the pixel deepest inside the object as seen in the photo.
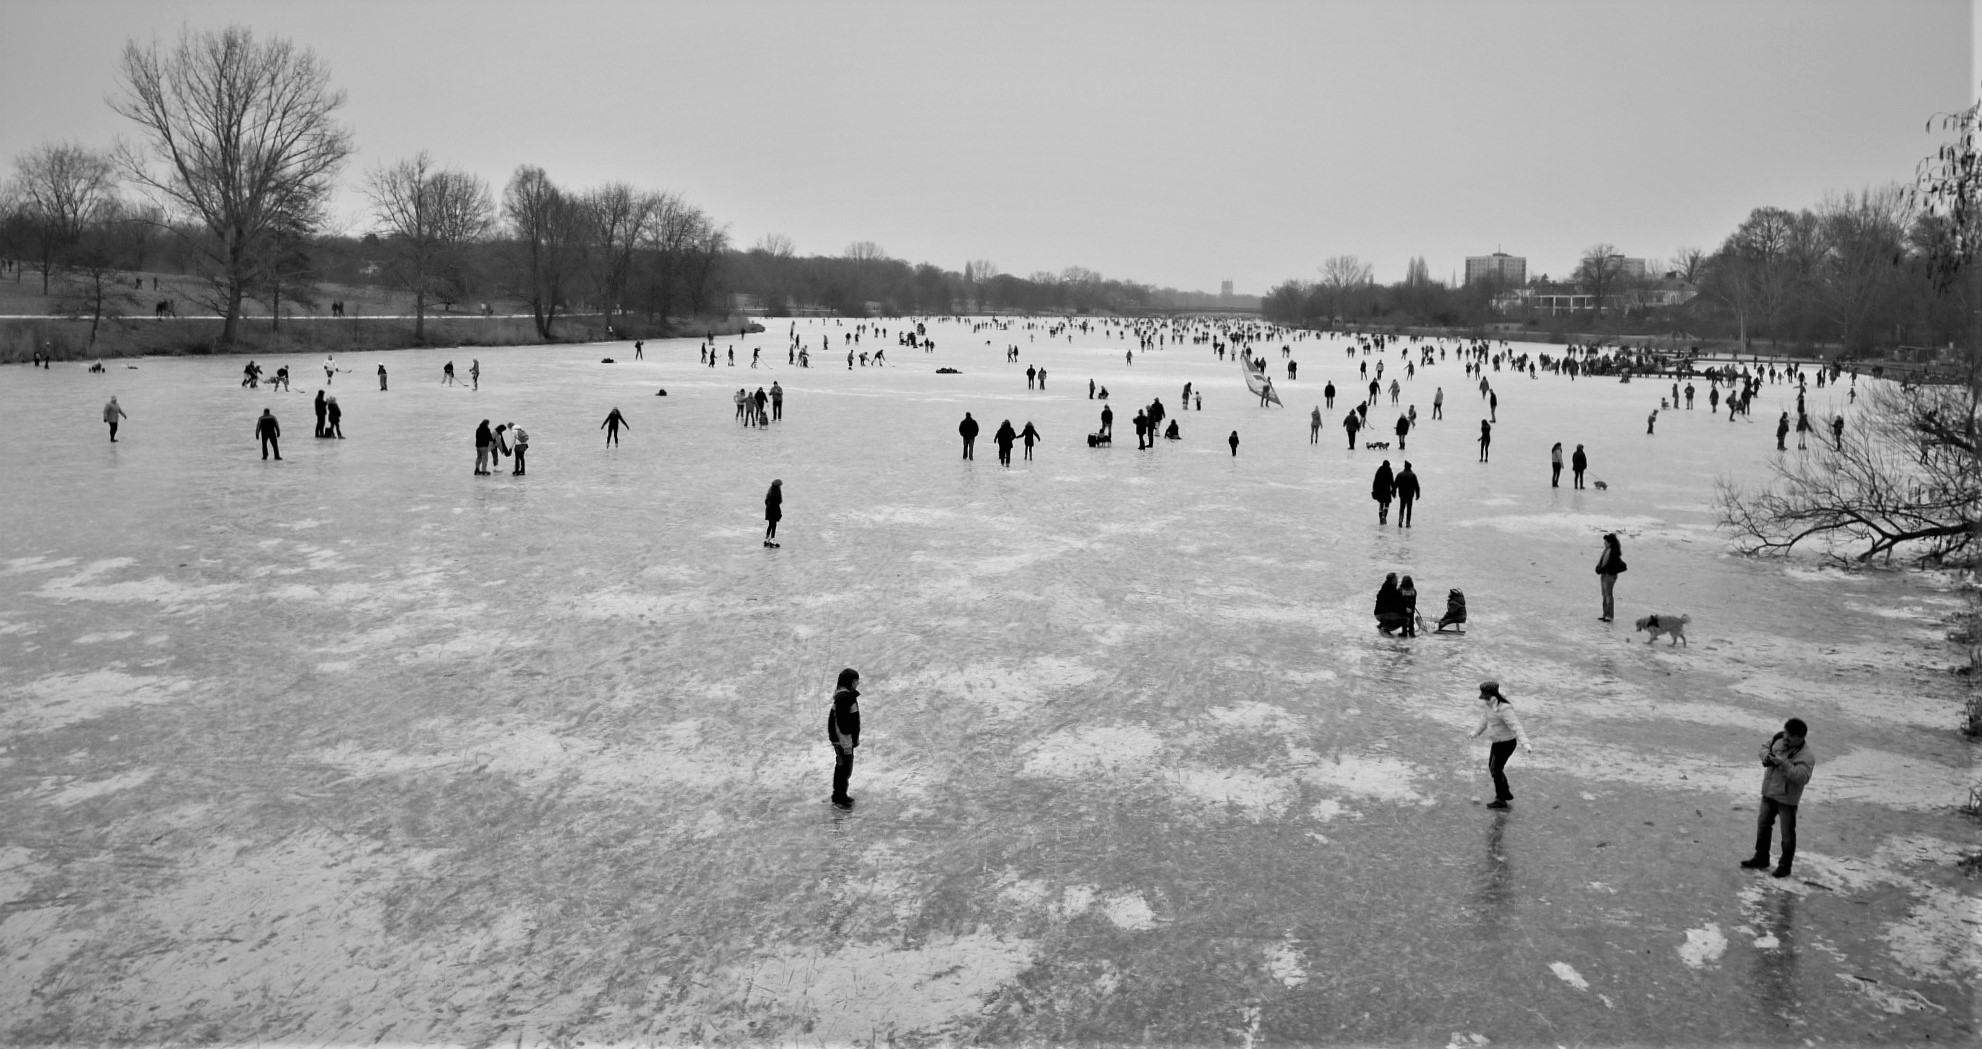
(968, 428)
(1788, 762)
(269, 432)
(843, 732)
(1579, 463)
(1351, 422)
(1383, 488)
(1407, 493)
(1403, 430)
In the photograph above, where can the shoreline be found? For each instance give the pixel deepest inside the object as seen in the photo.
(67, 339)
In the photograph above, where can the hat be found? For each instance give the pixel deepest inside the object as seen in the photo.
(1490, 687)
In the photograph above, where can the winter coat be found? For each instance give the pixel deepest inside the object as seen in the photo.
(1783, 781)
(1611, 562)
(843, 720)
(968, 428)
(1500, 724)
(1383, 487)
(1407, 485)
(1579, 462)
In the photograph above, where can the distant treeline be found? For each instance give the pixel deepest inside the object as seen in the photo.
(1856, 274)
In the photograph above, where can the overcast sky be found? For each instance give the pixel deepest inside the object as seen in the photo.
(1171, 143)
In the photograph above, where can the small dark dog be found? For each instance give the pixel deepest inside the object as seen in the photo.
(1096, 440)
(1373, 445)
(1602, 486)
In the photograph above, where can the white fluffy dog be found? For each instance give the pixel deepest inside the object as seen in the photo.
(1656, 624)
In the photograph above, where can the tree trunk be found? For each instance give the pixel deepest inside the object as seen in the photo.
(419, 316)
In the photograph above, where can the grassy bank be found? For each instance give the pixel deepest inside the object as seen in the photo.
(69, 340)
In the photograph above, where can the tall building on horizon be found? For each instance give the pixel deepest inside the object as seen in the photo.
(1225, 289)
(1507, 269)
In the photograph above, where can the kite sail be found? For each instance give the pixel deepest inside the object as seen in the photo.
(1256, 379)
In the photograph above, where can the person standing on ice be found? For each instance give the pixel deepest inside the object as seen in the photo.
(381, 378)
(1610, 565)
(1789, 763)
(111, 413)
(1407, 494)
(1031, 436)
(269, 433)
(1314, 425)
(447, 374)
(1108, 420)
(1352, 422)
(1004, 438)
(1579, 463)
(1328, 394)
(1485, 439)
(611, 426)
(1555, 466)
(777, 400)
(1403, 429)
(1782, 429)
(1383, 488)
(968, 430)
(1438, 404)
(774, 509)
(1234, 442)
(1503, 732)
(843, 732)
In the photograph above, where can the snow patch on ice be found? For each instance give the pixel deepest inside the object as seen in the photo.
(1286, 962)
(65, 699)
(843, 994)
(1703, 946)
(1253, 796)
(1083, 752)
(96, 788)
(1386, 779)
(18, 565)
(1892, 1000)
(99, 638)
(1939, 939)
(1129, 911)
(86, 585)
(1567, 974)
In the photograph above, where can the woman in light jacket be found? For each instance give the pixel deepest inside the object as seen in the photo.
(1503, 732)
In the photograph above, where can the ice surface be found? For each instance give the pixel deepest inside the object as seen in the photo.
(359, 746)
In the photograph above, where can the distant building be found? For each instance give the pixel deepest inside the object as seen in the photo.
(1225, 289)
(1507, 270)
(1631, 269)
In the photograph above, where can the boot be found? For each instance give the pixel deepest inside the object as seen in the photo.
(1755, 863)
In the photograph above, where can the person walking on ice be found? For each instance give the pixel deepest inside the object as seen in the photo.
(1234, 442)
(1787, 762)
(611, 426)
(1031, 436)
(112, 412)
(843, 732)
(774, 509)
(967, 429)
(475, 373)
(1503, 732)
(269, 433)
(1314, 425)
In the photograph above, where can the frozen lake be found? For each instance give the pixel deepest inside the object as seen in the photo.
(359, 746)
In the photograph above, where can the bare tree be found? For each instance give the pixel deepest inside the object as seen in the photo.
(978, 273)
(1909, 474)
(776, 245)
(548, 254)
(243, 136)
(619, 217)
(1341, 277)
(93, 286)
(428, 216)
(60, 190)
(1690, 264)
(1863, 236)
(1601, 272)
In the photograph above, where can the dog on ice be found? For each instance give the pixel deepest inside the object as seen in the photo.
(1656, 624)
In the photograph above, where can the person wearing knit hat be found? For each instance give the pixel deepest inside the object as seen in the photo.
(1504, 732)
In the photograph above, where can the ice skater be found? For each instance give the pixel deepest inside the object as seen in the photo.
(269, 433)
(1004, 438)
(1788, 762)
(611, 426)
(447, 374)
(333, 425)
(520, 441)
(112, 412)
(1485, 439)
(1030, 436)
(774, 508)
(843, 732)
(1503, 732)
